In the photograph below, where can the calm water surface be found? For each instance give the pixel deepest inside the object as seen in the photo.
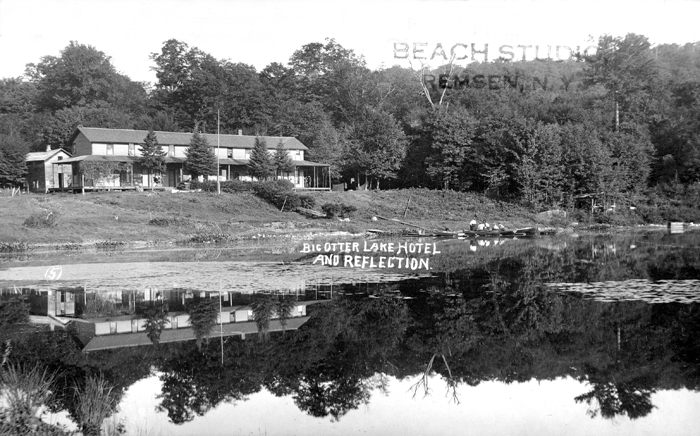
(594, 334)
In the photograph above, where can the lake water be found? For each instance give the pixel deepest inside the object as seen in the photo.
(580, 334)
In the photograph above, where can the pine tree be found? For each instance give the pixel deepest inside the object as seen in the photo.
(261, 165)
(283, 163)
(152, 155)
(201, 160)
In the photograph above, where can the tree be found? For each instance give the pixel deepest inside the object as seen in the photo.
(261, 165)
(283, 163)
(626, 68)
(540, 172)
(80, 76)
(201, 160)
(13, 168)
(152, 154)
(202, 317)
(448, 134)
(381, 146)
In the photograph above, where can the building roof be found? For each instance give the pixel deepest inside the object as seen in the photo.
(127, 136)
(168, 159)
(44, 155)
(121, 340)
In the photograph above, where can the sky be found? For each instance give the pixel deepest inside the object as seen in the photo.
(265, 31)
(542, 408)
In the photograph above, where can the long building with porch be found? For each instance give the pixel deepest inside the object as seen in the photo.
(117, 152)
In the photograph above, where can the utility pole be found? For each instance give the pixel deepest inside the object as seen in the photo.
(218, 145)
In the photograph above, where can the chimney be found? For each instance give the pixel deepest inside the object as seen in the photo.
(48, 148)
(240, 132)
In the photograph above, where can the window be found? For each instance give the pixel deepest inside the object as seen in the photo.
(247, 154)
(132, 150)
(298, 152)
(60, 158)
(229, 153)
(110, 148)
(171, 150)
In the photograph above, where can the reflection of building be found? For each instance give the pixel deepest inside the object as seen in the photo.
(51, 302)
(130, 330)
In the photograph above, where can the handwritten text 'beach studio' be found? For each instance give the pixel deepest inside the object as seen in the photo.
(408, 255)
(424, 51)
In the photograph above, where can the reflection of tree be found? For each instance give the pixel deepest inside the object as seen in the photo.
(203, 315)
(321, 397)
(631, 398)
(194, 381)
(263, 310)
(156, 320)
(330, 369)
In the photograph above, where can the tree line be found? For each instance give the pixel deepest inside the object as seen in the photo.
(623, 121)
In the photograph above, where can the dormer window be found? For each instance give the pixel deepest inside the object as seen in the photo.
(132, 150)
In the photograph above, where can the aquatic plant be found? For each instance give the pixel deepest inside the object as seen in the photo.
(25, 391)
(95, 401)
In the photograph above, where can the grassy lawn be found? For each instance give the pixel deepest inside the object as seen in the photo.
(164, 216)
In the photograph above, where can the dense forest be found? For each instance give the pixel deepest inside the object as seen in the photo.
(623, 122)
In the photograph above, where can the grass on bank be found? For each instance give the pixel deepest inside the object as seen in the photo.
(165, 216)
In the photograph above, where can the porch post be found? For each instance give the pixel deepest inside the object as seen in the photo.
(315, 181)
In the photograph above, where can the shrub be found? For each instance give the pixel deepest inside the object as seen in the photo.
(233, 186)
(307, 201)
(11, 247)
(338, 210)
(229, 186)
(160, 222)
(42, 220)
(278, 193)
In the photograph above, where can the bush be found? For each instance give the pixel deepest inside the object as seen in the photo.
(307, 201)
(42, 220)
(233, 186)
(278, 193)
(338, 210)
